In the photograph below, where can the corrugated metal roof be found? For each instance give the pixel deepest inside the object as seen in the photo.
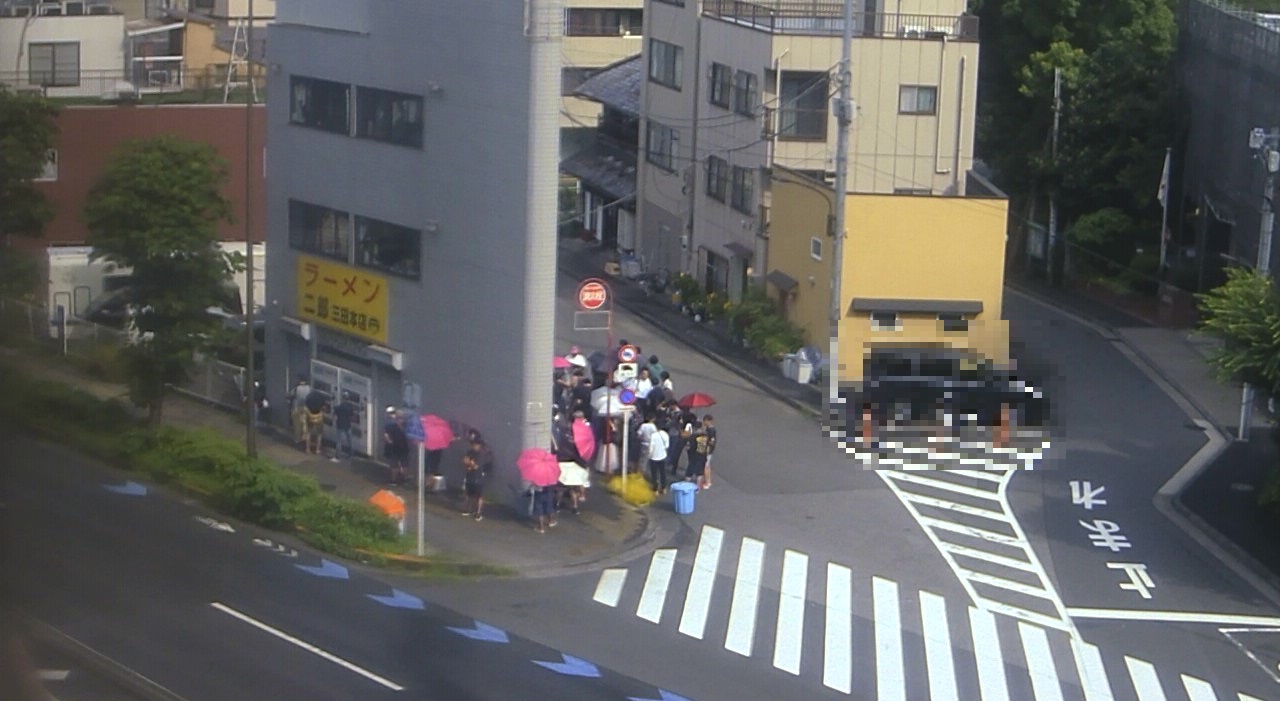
(616, 85)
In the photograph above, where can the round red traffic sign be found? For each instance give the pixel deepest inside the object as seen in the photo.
(628, 354)
(592, 295)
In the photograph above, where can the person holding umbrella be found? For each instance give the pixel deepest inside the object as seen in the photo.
(541, 469)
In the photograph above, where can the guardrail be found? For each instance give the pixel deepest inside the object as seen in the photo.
(827, 19)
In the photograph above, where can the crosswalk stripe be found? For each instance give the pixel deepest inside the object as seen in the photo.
(981, 533)
(1093, 675)
(697, 602)
(837, 663)
(993, 558)
(1039, 619)
(986, 649)
(746, 598)
(609, 588)
(1198, 689)
(1044, 676)
(937, 648)
(1009, 584)
(891, 682)
(655, 585)
(1146, 684)
(956, 506)
(1246, 697)
(945, 485)
(789, 634)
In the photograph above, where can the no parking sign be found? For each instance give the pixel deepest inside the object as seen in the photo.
(628, 354)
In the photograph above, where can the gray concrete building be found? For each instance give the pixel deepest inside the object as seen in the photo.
(412, 152)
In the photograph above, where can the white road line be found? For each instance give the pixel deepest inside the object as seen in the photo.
(891, 682)
(837, 665)
(609, 588)
(1032, 617)
(655, 585)
(944, 485)
(986, 650)
(962, 529)
(937, 648)
(1009, 584)
(53, 675)
(1198, 689)
(307, 646)
(1044, 676)
(789, 634)
(746, 596)
(1093, 675)
(1246, 697)
(1146, 684)
(955, 506)
(697, 600)
(1174, 616)
(1010, 562)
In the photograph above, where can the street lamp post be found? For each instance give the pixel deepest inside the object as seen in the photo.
(251, 396)
(843, 110)
(1264, 145)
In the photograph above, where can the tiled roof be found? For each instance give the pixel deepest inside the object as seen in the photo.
(605, 168)
(616, 85)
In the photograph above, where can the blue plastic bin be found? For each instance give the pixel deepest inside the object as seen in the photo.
(682, 495)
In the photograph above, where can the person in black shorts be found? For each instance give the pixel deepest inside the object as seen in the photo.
(478, 463)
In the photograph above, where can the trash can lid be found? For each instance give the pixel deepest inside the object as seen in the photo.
(685, 487)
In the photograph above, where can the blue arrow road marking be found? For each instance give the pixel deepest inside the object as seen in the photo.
(664, 695)
(483, 631)
(399, 599)
(326, 569)
(132, 489)
(572, 666)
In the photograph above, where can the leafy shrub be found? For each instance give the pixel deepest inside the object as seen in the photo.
(772, 336)
(689, 289)
(339, 525)
(755, 304)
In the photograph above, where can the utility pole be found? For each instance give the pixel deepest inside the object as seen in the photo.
(843, 109)
(251, 390)
(1264, 145)
(1051, 252)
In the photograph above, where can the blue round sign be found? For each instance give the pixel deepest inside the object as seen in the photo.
(627, 397)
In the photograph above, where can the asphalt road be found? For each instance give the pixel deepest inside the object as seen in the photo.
(162, 587)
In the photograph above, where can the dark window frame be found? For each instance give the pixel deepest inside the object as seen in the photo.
(402, 129)
(327, 109)
(717, 178)
(665, 160)
(603, 21)
(666, 66)
(310, 228)
(917, 91)
(744, 189)
(373, 252)
(721, 92)
(55, 76)
(807, 122)
(746, 93)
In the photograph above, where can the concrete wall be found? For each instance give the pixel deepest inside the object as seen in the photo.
(87, 137)
(476, 332)
(102, 50)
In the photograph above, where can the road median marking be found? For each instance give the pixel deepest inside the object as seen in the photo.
(307, 646)
(1173, 616)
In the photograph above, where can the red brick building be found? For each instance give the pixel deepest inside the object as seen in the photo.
(89, 134)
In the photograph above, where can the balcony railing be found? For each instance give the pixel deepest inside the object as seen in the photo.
(827, 19)
(160, 76)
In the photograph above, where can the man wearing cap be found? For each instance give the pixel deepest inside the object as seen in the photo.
(395, 446)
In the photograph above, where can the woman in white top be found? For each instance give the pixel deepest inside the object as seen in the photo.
(644, 384)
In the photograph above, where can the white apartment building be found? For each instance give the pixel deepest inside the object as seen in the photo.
(64, 49)
(597, 33)
(734, 87)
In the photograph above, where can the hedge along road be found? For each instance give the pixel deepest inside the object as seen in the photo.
(189, 601)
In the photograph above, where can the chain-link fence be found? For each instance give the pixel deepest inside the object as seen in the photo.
(217, 382)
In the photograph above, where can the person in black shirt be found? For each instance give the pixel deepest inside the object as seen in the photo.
(478, 463)
(343, 418)
(395, 447)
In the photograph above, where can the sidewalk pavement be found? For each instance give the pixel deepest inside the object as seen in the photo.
(606, 531)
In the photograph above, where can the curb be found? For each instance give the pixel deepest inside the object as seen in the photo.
(718, 359)
(647, 538)
(130, 679)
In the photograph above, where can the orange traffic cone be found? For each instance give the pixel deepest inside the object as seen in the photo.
(1002, 427)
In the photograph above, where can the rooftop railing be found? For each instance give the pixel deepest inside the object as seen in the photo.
(825, 18)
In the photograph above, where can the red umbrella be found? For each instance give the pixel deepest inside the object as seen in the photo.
(584, 439)
(697, 400)
(561, 363)
(439, 432)
(539, 466)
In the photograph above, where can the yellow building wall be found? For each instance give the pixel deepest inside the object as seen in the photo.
(896, 247)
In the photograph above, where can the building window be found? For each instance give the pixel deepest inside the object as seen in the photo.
(917, 99)
(54, 65)
(885, 321)
(572, 78)
(677, 3)
(388, 116)
(602, 22)
(721, 85)
(317, 229)
(717, 178)
(320, 104)
(666, 63)
(746, 93)
(49, 173)
(660, 146)
(952, 321)
(744, 189)
(815, 248)
(802, 105)
(388, 247)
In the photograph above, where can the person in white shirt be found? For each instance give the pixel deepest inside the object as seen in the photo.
(646, 431)
(576, 358)
(659, 442)
(644, 384)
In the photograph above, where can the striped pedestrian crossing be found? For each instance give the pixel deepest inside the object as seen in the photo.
(917, 647)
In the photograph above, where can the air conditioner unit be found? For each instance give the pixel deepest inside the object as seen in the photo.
(74, 8)
(50, 9)
(99, 9)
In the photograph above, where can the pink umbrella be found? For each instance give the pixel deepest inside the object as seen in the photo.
(561, 363)
(439, 432)
(539, 466)
(584, 439)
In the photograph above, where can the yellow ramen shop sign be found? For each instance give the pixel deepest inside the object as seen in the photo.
(343, 298)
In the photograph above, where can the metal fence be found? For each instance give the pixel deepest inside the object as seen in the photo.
(217, 382)
(825, 18)
(157, 79)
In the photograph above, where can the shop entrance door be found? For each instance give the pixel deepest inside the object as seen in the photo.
(334, 382)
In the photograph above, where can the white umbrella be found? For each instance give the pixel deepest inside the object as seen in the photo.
(574, 475)
(605, 401)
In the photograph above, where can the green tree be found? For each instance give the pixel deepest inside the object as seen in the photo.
(156, 210)
(1245, 314)
(27, 134)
